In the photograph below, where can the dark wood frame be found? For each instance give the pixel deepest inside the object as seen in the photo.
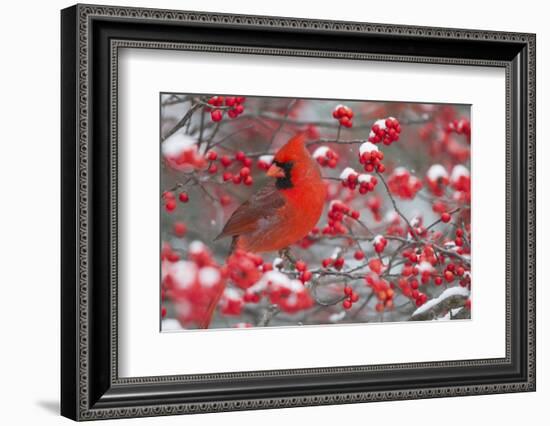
(91, 37)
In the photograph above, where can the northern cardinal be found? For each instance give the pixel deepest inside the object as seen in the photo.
(282, 212)
(285, 210)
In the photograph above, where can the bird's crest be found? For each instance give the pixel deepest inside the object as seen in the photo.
(292, 149)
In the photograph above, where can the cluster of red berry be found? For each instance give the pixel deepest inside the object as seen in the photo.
(337, 262)
(304, 274)
(242, 176)
(437, 179)
(244, 268)
(371, 157)
(169, 199)
(386, 131)
(233, 105)
(351, 180)
(409, 288)
(326, 157)
(336, 214)
(231, 302)
(383, 290)
(351, 297)
(291, 296)
(461, 127)
(344, 115)
(379, 243)
(199, 280)
(403, 184)
(264, 162)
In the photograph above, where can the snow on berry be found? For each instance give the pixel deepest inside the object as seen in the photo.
(231, 302)
(346, 173)
(385, 130)
(180, 153)
(437, 179)
(402, 184)
(326, 157)
(379, 243)
(343, 114)
(460, 178)
(371, 157)
(264, 161)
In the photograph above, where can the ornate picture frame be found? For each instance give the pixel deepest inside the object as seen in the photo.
(91, 37)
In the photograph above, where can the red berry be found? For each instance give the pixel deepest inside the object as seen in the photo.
(180, 229)
(245, 171)
(216, 115)
(226, 161)
(248, 180)
(211, 155)
(354, 297)
(449, 276)
(347, 304)
(446, 217)
(163, 311)
(348, 291)
(227, 176)
(438, 280)
(240, 156)
(359, 255)
(213, 169)
(301, 265)
(306, 276)
(184, 198)
(168, 195)
(225, 200)
(170, 206)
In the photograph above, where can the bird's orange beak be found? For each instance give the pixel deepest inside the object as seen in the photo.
(275, 171)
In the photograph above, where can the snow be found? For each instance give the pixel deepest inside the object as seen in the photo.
(400, 171)
(391, 216)
(450, 292)
(170, 325)
(184, 273)
(378, 238)
(277, 262)
(231, 294)
(436, 172)
(364, 178)
(459, 171)
(321, 152)
(425, 267)
(337, 316)
(367, 147)
(346, 173)
(177, 143)
(268, 159)
(196, 247)
(381, 123)
(292, 300)
(209, 276)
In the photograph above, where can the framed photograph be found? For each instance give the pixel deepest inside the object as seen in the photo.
(263, 212)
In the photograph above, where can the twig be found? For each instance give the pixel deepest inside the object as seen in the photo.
(412, 231)
(182, 122)
(268, 315)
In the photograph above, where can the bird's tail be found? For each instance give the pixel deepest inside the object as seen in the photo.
(211, 308)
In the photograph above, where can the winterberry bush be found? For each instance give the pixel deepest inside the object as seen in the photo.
(393, 242)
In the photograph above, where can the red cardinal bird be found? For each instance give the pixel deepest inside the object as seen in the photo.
(282, 212)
